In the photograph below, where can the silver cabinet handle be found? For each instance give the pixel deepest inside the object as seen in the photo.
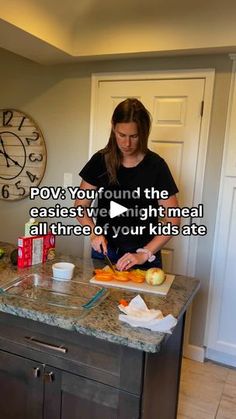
(36, 372)
(49, 377)
(46, 345)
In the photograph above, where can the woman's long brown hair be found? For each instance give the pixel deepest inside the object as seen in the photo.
(130, 110)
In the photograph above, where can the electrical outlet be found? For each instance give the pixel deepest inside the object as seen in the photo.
(67, 180)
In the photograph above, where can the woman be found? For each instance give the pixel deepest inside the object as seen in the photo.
(126, 165)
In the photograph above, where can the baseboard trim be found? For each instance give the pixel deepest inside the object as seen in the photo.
(221, 357)
(196, 353)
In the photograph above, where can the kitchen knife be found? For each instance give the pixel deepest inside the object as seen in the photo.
(109, 263)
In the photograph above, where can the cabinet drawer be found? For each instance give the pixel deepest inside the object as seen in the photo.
(90, 357)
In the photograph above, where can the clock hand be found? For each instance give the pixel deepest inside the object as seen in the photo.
(3, 147)
(4, 151)
(7, 157)
(14, 161)
(1, 152)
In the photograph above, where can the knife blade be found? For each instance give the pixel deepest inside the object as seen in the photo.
(109, 262)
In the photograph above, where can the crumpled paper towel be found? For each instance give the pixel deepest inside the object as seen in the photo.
(138, 315)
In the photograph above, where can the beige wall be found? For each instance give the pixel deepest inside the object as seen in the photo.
(58, 98)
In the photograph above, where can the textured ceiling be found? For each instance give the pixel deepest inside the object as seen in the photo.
(51, 31)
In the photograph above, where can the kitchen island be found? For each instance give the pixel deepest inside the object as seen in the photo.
(54, 364)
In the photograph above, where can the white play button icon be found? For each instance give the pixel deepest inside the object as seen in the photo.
(116, 209)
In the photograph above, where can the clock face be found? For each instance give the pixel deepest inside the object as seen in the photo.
(22, 154)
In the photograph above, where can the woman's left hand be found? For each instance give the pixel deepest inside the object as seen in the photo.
(130, 259)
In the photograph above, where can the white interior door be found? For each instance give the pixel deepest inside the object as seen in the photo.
(175, 106)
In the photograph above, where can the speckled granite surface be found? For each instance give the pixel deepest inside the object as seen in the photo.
(102, 321)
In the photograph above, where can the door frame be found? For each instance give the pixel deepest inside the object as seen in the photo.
(216, 349)
(208, 75)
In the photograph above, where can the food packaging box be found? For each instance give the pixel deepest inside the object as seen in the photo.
(35, 249)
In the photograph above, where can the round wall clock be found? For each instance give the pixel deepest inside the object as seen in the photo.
(23, 154)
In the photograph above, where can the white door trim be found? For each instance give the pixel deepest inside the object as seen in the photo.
(207, 74)
(216, 349)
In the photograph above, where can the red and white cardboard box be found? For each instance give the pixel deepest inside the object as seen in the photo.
(34, 249)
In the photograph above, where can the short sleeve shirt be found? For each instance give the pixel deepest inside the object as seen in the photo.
(152, 173)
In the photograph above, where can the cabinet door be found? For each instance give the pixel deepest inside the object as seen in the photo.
(21, 394)
(82, 398)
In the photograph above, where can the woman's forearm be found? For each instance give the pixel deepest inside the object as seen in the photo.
(85, 203)
(158, 242)
(85, 219)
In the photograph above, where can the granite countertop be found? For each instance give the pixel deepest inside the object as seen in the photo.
(102, 321)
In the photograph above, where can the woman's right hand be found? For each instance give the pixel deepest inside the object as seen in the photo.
(99, 243)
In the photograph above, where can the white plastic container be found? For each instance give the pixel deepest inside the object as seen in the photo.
(63, 271)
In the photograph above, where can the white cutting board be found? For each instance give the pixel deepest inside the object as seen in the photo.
(139, 287)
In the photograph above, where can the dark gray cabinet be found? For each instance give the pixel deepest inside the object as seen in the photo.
(83, 398)
(51, 373)
(33, 391)
(21, 388)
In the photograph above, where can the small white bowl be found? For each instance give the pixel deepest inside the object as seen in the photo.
(63, 271)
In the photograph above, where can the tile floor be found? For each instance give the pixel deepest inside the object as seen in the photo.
(207, 391)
